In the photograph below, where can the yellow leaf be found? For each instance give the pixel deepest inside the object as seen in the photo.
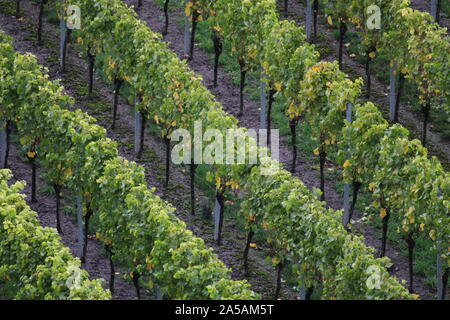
(253, 245)
(432, 235)
(275, 260)
(218, 182)
(31, 154)
(112, 64)
(253, 54)
(265, 65)
(372, 186)
(422, 226)
(233, 185)
(278, 86)
(372, 54)
(187, 11)
(330, 20)
(156, 119)
(383, 212)
(316, 151)
(68, 172)
(347, 164)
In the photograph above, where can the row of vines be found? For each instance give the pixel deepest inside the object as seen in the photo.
(319, 92)
(170, 94)
(417, 48)
(137, 228)
(34, 262)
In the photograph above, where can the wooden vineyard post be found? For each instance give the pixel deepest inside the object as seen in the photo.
(263, 111)
(274, 146)
(3, 145)
(219, 212)
(139, 130)
(439, 272)
(17, 9)
(216, 218)
(346, 219)
(80, 224)
(309, 19)
(392, 94)
(70, 20)
(187, 35)
(158, 293)
(62, 41)
(434, 10)
(303, 289)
